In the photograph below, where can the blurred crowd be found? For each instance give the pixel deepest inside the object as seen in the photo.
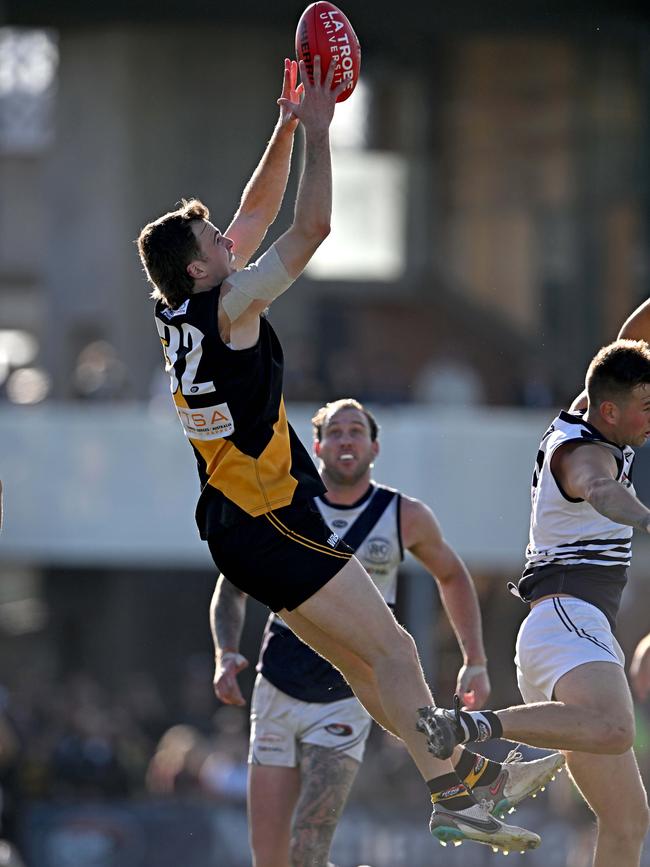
(76, 741)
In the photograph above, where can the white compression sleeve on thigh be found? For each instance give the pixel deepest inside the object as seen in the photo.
(263, 280)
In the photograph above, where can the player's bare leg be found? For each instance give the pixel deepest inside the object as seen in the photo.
(612, 787)
(610, 784)
(357, 673)
(518, 781)
(326, 779)
(273, 793)
(593, 713)
(350, 610)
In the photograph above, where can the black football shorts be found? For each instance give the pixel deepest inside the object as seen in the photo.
(280, 558)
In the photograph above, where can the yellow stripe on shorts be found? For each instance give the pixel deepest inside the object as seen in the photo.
(303, 540)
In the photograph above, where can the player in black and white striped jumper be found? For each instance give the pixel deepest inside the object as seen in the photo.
(570, 668)
(308, 731)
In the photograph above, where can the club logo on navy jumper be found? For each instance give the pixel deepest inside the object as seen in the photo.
(378, 550)
(333, 540)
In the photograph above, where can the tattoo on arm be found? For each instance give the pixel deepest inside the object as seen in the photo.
(227, 613)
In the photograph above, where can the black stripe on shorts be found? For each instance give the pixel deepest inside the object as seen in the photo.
(581, 633)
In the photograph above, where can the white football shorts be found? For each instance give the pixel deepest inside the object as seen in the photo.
(558, 635)
(280, 725)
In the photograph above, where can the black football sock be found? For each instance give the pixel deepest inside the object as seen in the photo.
(473, 768)
(450, 792)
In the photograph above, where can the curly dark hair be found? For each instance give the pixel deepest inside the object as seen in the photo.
(166, 247)
(616, 370)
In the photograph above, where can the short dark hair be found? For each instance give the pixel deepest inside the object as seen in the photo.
(167, 246)
(326, 412)
(616, 370)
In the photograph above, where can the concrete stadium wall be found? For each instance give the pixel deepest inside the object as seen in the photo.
(112, 485)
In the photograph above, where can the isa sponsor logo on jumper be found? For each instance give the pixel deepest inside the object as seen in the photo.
(206, 423)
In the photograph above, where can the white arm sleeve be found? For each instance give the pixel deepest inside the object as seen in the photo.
(263, 280)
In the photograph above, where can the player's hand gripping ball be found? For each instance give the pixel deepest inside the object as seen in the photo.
(323, 29)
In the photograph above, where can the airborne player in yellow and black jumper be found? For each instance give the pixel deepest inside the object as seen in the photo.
(256, 506)
(250, 461)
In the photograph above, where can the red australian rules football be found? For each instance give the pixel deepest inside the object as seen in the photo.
(323, 29)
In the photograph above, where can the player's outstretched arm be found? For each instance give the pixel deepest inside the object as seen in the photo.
(637, 325)
(227, 614)
(640, 669)
(422, 536)
(313, 210)
(588, 471)
(245, 294)
(263, 194)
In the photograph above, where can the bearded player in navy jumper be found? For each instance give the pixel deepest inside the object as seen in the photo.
(570, 668)
(308, 732)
